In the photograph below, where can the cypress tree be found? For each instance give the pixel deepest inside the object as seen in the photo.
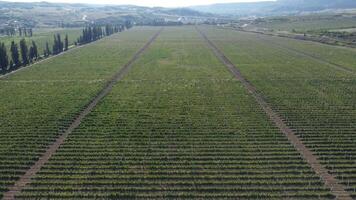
(66, 43)
(60, 43)
(108, 30)
(35, 50)
(47, 51)
(4, 60)
(24, 52)
(11, 65)
(31, 54)
(15, 56)
(55, 45)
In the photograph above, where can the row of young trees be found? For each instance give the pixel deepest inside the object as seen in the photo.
(25, 32)
(93, 33)
(58, 45)
(10, 31)
(21, 55)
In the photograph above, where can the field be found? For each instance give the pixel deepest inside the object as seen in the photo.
(50, 94)
(335, 29)
(313, 94)
(178, 124)
(43, 35)
(310, 23)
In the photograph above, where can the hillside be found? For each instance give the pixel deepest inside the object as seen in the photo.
(279, 7)
(44, 14)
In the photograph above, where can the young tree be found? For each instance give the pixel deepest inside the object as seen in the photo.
(66, 43)
(24, 52)
(108, 30)
(60, 43)
(4, 60)
(47, 52)
(55, 45)
(15, 56)
(31, 55)
(11, 65)
(35, 50)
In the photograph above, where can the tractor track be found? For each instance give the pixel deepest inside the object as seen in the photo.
(330, 181)
(25, 179)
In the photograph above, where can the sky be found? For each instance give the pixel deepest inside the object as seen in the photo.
(150, 3)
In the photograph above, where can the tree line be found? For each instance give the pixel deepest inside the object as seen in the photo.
(95, 32)
(21, 55)
(10, 31)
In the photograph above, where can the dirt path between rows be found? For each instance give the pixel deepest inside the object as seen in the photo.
(330, 181)
(51, 150)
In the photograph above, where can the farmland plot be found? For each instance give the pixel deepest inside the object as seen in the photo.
(341, 56)
(177, 126)
(38, 103)
(316, 100)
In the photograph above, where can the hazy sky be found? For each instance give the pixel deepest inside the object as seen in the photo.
(151, 3)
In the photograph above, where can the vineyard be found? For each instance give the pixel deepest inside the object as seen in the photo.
(315, 98)
(39, 103)
(177, 124)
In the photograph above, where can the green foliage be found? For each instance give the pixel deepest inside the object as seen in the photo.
(66, 43)
(91, 34)
(24, 52)
(15, 55)
(57, 44)
(4, 59)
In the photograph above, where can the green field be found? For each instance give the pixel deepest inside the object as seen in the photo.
(309, 23)
(40, 101)
(179, 125)
(334, 29)
(316, 99)
(41, 36)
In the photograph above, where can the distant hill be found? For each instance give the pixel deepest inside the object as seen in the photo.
(275, 7)
(44, 14)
